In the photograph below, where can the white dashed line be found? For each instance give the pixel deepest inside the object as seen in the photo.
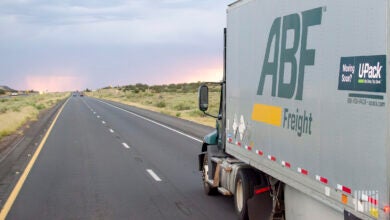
(154, 122)
(94, 113)
(112, 131)
(98, 116)
(126, 146)
(154, 175)
(103, 122)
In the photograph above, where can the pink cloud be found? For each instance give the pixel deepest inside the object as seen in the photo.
(53, 83)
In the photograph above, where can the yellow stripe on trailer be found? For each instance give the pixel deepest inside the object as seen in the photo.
(267, 114)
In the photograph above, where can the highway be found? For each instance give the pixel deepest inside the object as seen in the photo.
(103, 160)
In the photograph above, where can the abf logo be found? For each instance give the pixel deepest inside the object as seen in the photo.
(298, 24)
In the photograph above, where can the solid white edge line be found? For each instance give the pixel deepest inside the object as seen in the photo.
(154, 175)
(125, 145)
(154, 122)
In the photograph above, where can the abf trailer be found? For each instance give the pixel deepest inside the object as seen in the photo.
(303, 129)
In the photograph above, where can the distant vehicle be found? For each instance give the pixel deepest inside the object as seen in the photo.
(81, 94)
(14, 94)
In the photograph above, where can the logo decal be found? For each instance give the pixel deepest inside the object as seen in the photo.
(284, 85)
(298, 24)
(363, 73)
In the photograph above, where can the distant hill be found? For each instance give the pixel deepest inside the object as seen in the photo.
(7, 89)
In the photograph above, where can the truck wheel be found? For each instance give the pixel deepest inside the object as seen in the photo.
(243, 192)
(209, 190)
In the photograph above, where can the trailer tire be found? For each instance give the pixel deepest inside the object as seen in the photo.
(208, 189)
(243, 192)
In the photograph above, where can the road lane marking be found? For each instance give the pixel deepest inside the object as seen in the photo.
(94, 113)
(12, 197)
(112, 131)
(90, 108)
(98, 116)
(154, 122)
(125, 145)
(154, 175)
(103, 122)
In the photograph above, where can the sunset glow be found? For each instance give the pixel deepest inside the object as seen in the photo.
(53, 83)
(212, 74)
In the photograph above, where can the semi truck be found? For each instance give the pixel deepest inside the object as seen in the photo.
(303, 125)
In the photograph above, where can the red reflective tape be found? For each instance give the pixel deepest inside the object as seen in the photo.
(372, 200)
(303, 171)
(262, 190)
(248, 147)
(272, 158)
(322, 179)
(230, 140)
(344, 188)
(239, 144)
(347, 190)
(259, 152)
(286, 164)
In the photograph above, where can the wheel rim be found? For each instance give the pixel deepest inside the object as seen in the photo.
(239, 196)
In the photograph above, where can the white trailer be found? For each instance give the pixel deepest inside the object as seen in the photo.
(303, 130)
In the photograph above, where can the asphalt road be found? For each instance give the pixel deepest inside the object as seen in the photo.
(101, 161)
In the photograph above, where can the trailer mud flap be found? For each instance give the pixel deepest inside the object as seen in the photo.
(260, 205)
(350, 216)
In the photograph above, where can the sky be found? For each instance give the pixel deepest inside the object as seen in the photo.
(66, 45)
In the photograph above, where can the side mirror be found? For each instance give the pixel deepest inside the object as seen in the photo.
(203, 93)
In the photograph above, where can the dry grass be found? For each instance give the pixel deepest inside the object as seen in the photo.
(181, 105)
(16, 111)
(12, 120)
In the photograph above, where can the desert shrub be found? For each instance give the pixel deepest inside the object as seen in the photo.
(39, 106)
(3, 109)
(16, 108)
(161, 104)
(181, 107)
(196, 113)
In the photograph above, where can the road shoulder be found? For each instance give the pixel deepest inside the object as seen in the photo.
(19, 150)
